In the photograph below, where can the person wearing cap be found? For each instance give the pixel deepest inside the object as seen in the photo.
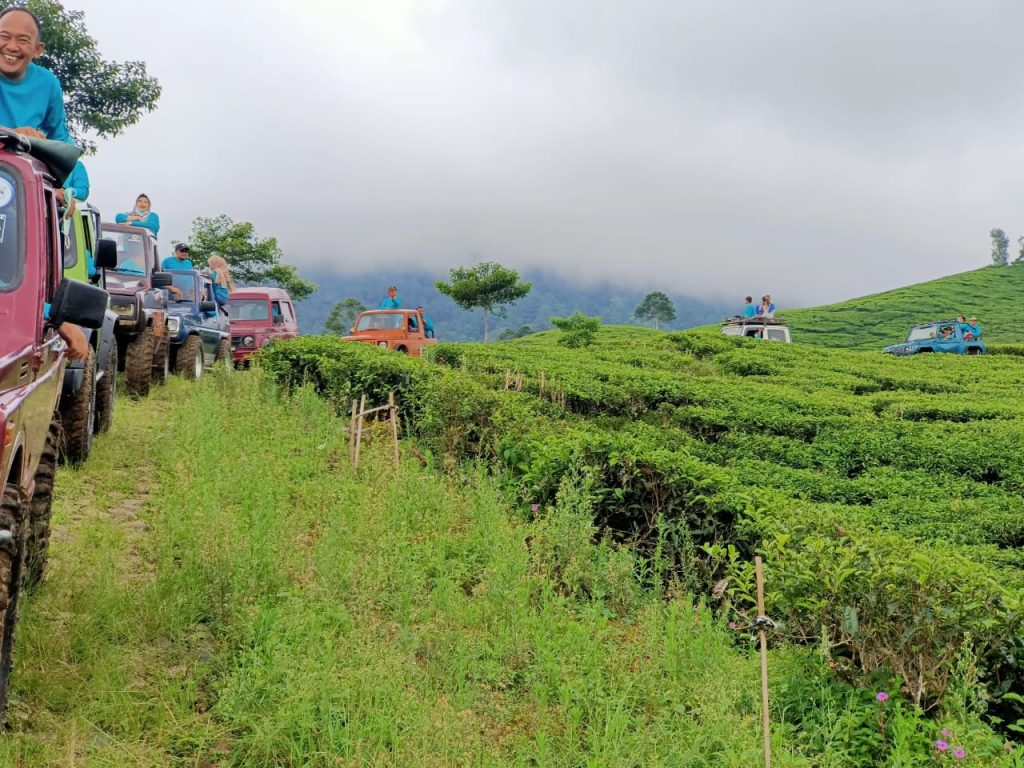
(182, 258)
(391, 301)
(974, 327)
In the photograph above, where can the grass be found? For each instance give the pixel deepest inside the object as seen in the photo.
(225, 591)
(872, 322)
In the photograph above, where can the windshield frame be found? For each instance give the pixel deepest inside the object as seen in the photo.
(253, 300)
(397, 321)
(120, 237)
(18, 201)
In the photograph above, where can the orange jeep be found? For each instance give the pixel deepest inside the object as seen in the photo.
(403, 330)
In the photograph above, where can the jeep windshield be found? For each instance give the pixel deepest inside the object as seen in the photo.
(186, 283)
(12, 256)
(922, 334)
(382, 322)
(244, 310)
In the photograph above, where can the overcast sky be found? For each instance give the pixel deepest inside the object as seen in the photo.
(813, 150)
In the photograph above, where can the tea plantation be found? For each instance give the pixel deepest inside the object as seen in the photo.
(884, 494)
(993, 294)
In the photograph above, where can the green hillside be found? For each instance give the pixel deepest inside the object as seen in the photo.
(993, 294)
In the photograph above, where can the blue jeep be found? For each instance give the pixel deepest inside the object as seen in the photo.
(942, 336)
(199, 328)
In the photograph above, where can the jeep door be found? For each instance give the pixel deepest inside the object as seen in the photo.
(214, 326)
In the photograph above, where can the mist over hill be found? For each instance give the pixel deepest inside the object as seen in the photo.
(551, 295)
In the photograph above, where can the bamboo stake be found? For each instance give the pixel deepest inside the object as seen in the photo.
(766, 723)
(359, 428)
(352, 432)
(394, 423)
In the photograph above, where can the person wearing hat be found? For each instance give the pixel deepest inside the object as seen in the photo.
(182, 258)
(391, 301)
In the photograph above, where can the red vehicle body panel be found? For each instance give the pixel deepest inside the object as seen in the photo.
(259, 325)
(31, 359)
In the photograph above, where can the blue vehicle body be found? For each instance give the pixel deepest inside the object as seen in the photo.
(196, 324)
(943, 336)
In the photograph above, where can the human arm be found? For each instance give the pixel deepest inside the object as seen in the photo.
(55, 122)
(151, 222)
(121, 218)
(78, 345)
(78, 182)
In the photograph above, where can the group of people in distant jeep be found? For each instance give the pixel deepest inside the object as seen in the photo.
(969, 328)
(392, 301)
(765, 309)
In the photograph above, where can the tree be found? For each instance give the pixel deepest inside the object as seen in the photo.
(253, 261)
(1020, 251)
(656, 308)
(578, 330)
(515, 333)
(487, 285)
(100, 97)
(343, 316)
(1000, 247)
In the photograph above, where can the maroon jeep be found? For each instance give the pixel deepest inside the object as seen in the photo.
(34, 301)
(137, 295)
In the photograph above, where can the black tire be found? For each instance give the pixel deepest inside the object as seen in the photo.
(78, 419)
(138, 364)
(974, 350)
(39, 513)
(190, 359)
(12, 574)
(162, 359)
(402, 350)
(106, 394)
(223, 355)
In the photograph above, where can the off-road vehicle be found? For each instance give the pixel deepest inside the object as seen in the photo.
(197, 325)
(942, 336)
(757, 328)
(35, 300)
(137, 295)
(258, 316)
(87, 399)
(401, 330)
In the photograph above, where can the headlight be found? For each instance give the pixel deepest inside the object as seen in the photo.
(265, 342)
(248, 341)
(382, 344)
(173, 325)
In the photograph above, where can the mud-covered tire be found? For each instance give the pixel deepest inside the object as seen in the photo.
(12, 575)
(78, 419)
(223, 356)
(190, 358)
(106, 395)
(40, 511)
(161, 359)
(138, 364)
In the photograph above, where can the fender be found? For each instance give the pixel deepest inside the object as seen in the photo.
(106, 341)
(74, 375)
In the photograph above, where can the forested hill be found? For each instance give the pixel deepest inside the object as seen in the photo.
(993, 294)
(551, 295)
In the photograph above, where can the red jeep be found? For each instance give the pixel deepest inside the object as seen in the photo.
(32, 359)
(259, 315)
(403, 330)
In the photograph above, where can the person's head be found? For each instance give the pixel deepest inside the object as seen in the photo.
(961, 319)
(392, 291)
(142, 203)
(182, 252)
(974, 321)
(220, 265)
(20, 41)
(749, 300)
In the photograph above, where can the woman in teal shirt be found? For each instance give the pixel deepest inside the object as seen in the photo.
(141, 216)
(222, 282)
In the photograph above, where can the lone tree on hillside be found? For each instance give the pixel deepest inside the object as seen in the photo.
(487, 285)
(578, 330)
(253, 261)
(344, 314)
(100, 97)
(656, 308)
(1000, 247)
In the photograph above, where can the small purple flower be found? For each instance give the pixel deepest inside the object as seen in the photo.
(959, 753)
(732, 625)
(946, 733)
(941, 745)
(534, 508)
(881, 696)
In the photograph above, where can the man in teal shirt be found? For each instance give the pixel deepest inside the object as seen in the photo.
(181, 259)
(31, 99)
(749, 310)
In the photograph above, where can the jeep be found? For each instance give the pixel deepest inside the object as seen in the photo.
(941, 336)
(197, 326)
(401, 330)
(136, 286)
(87, 399)
(757, 328)
(259, 315)
(35, 299)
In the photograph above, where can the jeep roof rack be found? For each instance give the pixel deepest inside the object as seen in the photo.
(756, 320)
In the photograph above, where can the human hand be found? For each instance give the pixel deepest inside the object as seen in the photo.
(78, 345)
(32, 133)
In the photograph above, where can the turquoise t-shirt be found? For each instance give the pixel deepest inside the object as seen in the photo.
(173, 262)
(35, 101)
(78, 182)
(151, 222)
(749, 310)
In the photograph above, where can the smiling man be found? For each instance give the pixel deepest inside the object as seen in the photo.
(31, 99)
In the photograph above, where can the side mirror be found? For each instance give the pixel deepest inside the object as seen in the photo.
(161, 279)
(106, 254)
(78, 303)
(207, 306)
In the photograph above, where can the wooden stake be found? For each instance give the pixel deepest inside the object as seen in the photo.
(394, 423)
(766, 723)
(352, 433)
(359, 429)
